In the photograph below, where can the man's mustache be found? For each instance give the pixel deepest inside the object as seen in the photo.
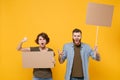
(78, 39)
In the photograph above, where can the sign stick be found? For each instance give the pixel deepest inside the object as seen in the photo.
(96, 41)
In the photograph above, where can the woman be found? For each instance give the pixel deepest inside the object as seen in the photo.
(42, 39)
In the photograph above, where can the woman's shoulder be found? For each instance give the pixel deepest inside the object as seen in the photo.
(50, 49)
(34, 48)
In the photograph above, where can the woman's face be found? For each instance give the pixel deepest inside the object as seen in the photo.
(42, 42)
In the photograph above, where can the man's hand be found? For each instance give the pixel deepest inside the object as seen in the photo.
(60, 53)
(96, 53)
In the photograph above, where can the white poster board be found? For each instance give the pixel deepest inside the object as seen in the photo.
(37, 59)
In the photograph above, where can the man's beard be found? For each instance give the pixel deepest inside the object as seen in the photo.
(78, 43)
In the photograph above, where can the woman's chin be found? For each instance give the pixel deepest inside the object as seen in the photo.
(42, 46)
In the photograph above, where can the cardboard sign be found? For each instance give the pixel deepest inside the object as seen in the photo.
(37, 59)
(99, 14)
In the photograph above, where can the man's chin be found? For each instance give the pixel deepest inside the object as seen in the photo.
(77, 43)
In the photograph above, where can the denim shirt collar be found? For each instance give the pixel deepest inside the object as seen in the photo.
(81, 44)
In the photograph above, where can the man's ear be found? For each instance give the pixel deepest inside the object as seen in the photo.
(81, 37)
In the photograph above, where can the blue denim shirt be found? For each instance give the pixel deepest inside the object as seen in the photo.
(85, 52)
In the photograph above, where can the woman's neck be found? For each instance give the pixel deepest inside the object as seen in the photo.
(43, 49)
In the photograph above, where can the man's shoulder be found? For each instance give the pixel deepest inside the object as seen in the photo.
(84, 44)
(68, 45)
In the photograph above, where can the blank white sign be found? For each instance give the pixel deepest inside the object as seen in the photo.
(99, 14)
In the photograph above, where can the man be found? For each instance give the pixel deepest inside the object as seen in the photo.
(77, 54)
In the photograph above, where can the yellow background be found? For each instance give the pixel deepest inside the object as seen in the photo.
(20, 18)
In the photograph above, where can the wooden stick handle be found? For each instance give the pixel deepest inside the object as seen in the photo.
(96, 41)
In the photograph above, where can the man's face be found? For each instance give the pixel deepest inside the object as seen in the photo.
(77, 38)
